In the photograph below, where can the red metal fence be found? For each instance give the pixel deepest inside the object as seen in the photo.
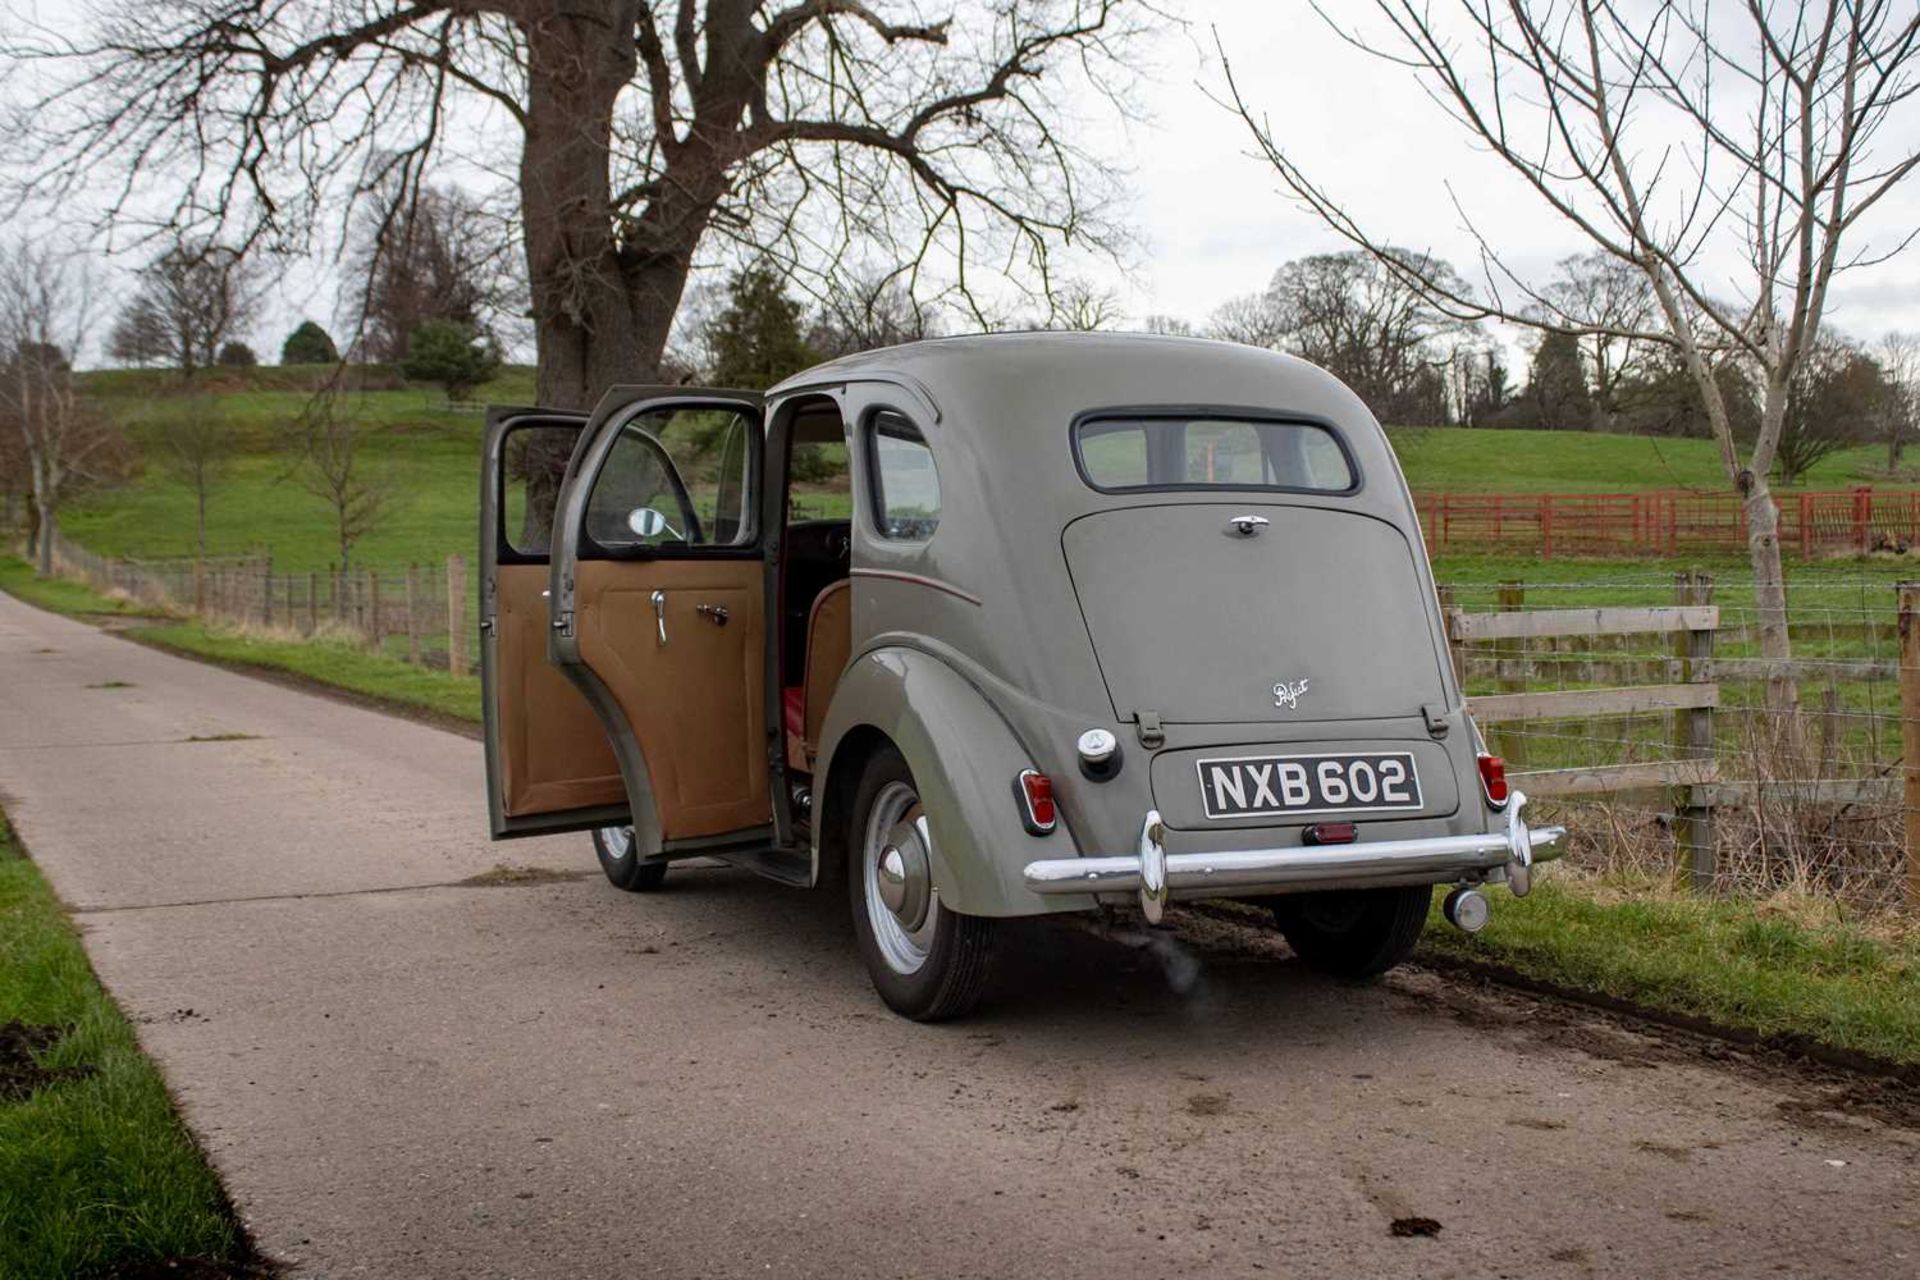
(1665, 523)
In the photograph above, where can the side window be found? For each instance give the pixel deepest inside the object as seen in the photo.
(906, 487)
(535, 459)
(674, 478)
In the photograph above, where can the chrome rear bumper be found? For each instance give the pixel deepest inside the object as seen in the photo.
(1157, 875)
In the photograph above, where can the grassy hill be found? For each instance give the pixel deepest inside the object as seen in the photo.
(430, 454)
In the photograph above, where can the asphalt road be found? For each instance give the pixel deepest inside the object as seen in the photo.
(403, 1075)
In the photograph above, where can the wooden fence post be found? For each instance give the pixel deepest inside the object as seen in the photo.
(413, 614)
(457, 614)
(1693, 738)
(376, 633)
(1509, 661)
(313, 602)
(1448, 613)
(1806, 526)
(266, 591)
(1910, 729)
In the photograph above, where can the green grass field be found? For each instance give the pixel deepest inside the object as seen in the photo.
(1468, 461)
(429, 456)
(96, 1172)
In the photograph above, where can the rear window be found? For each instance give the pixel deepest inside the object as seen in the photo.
(1212, 453)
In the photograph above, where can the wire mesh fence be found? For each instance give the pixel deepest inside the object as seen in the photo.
(421, 613)
(1678, 749)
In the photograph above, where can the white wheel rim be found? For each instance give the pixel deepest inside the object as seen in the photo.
(897, 824)
(617, 841)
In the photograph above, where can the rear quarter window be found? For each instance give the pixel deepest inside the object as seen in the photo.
(906, 487)
(1123, 453)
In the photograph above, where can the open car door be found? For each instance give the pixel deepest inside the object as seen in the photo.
(659, 610)
(550, 766)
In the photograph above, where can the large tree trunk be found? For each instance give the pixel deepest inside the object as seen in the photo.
(604, 302)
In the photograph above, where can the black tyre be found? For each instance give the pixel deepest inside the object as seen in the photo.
(1353, 933)
(927, 962)
(622, 863)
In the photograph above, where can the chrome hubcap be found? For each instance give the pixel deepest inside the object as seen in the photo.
(618, 841)
(901, 905)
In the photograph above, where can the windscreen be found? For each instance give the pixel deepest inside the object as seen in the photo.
(1201, 453)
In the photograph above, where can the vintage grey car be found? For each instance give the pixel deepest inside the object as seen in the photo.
(987, 627)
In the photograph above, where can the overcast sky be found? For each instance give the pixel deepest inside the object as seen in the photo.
(1209, 219)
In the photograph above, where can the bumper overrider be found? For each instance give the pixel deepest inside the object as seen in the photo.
(1156, 875)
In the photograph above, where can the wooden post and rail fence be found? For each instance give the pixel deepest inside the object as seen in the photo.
(427, 609)
(1690, 776)
(1665, 524)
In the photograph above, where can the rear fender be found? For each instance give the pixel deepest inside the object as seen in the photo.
(964, 759)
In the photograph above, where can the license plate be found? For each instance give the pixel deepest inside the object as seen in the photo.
(1280, 786)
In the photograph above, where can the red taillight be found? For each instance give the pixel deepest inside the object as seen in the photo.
(1035, 792)
(1332, 833)
(1493, 780)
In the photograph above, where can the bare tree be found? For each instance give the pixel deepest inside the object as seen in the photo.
(199, 452)
(1607, 301)
(865, 311)
(140, 334)
(798, 128)
(1081, 306)
(326, 445)
(1251, 319)
(1172, 326)
(45, 316)
(1677, 137)
(1361, 322)
(431, 253)
(1899, 355)
(190, 302)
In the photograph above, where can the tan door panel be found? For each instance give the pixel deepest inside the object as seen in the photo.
(695, 703)
(554, 752)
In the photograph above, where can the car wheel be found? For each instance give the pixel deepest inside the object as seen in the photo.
(927, 962)
(621, 861)
(1353, 933)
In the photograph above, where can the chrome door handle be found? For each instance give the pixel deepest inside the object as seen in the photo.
(716, 613)
(660, 614)
(1248, 525)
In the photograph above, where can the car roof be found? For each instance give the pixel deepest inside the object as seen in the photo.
(1007, 384)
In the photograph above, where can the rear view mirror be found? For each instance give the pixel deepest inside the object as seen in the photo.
(648, 523)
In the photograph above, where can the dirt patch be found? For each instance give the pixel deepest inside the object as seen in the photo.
(1824, 1086)
(1407, 1228)
(112, 684)
(222, 737)
(506, 875)
(1208, 1104)
(20, 1074)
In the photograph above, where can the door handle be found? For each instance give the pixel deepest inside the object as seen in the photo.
(660, 613)
(714, 613)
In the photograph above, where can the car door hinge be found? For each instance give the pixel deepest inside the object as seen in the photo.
(564, 623)
(1436, 718)
(1147, 724)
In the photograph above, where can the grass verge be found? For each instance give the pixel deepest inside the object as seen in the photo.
(320, 660)
(59, 595)
(340, 665)
(96, 1172)
(1788, 973)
